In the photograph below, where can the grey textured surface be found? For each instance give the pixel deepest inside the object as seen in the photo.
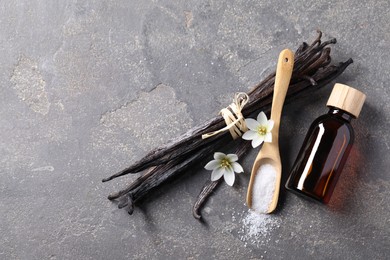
(88, 87)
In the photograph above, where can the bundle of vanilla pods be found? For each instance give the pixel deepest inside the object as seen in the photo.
(312, 70)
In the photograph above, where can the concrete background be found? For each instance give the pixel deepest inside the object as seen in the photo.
(88, 87)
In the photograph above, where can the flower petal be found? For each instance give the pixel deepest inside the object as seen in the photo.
(237, 167)
(249, 135)
(257, 141)
(270, 125)
(232, 157)
(211, 165)
(251, 124)
(268, 138)
(219, 156)
(217, 174)
(229, 177)
(262, 118)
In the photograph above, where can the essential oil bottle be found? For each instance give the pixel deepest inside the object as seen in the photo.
(326, 146)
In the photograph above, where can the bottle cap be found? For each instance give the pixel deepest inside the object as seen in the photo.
(346, 98)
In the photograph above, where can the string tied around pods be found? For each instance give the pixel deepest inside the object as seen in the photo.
(235, 121)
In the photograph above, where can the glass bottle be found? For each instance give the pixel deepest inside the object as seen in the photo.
(326, 146)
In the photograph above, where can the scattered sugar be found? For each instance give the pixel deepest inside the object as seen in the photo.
(263, 188)
(255, 228)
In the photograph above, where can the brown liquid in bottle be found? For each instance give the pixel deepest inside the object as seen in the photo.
(327, 145)
(322, 156)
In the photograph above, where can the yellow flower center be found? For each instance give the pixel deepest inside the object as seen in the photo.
(225, 163)
(261, 130)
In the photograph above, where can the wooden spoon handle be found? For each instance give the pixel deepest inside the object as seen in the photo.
(282, 80)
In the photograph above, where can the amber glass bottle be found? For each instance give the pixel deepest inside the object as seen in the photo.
(326, 146)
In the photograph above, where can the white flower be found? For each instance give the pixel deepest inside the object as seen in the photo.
(224, 165)
(259, 131)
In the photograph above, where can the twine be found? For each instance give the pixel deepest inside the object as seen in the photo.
(233, 117)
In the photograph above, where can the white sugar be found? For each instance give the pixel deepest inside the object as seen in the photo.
(263, 188)
(256, 224)
(256, 228)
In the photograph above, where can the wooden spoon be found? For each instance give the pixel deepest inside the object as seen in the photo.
(269, 153)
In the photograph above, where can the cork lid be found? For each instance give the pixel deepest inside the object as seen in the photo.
(346, 98)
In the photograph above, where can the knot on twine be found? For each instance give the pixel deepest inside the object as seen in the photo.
(233, 117)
